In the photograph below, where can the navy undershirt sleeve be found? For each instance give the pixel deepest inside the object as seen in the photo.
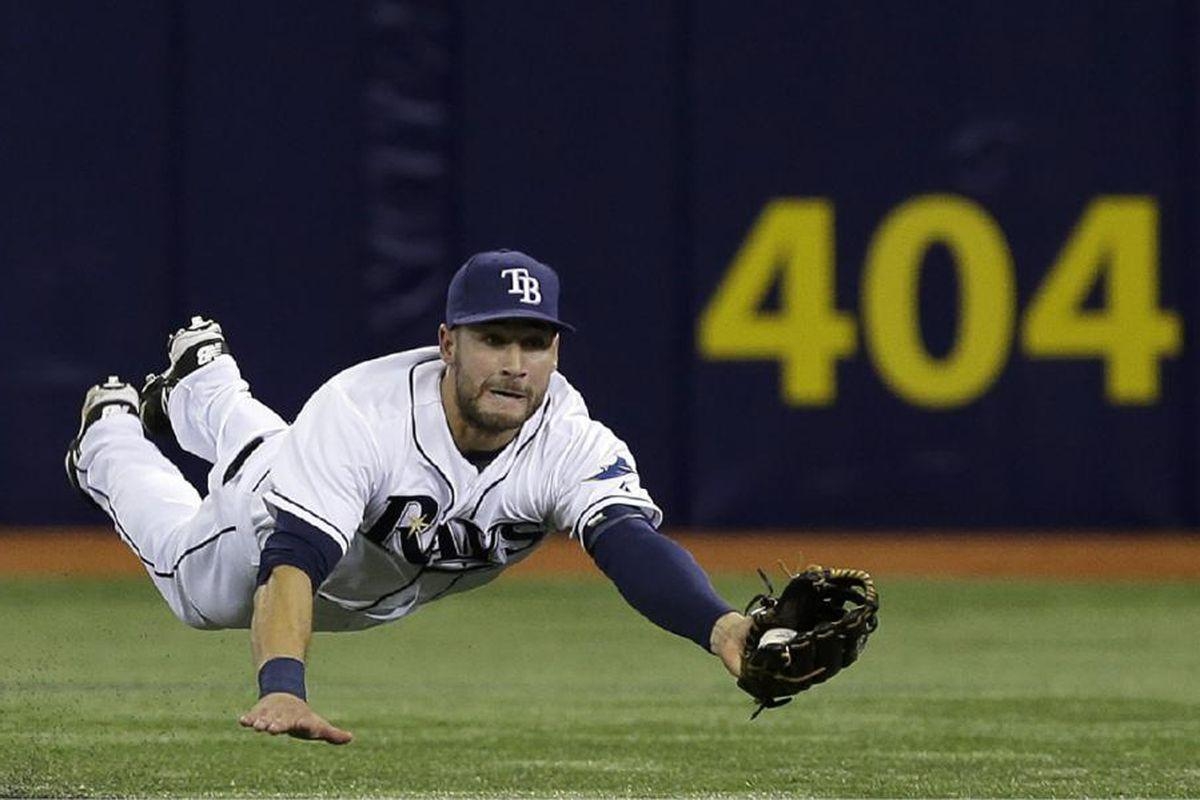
(658, 578)
(300, 545)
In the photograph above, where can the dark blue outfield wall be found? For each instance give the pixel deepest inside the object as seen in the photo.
(881, 265)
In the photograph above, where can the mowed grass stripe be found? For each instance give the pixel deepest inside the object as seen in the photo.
(554, 688)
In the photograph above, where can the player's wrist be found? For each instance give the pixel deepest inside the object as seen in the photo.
(724, 632)
(282, 675)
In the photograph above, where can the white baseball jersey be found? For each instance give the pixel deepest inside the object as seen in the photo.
(370, 462)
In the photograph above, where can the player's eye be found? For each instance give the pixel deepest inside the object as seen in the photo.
(536, 342)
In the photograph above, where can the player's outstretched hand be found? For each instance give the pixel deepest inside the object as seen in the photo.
(280, 712)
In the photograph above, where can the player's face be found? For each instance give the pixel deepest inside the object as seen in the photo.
(501, 371)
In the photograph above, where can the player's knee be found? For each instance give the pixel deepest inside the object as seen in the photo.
(215, 616)
(191, 617)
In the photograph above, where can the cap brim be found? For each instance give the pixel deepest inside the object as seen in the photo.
(495, 316)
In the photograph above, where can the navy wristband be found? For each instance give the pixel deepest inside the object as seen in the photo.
(282, 675)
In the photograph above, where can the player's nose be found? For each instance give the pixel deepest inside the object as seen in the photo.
(512, 361)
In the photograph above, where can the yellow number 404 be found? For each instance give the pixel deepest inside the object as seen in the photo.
(791, 246)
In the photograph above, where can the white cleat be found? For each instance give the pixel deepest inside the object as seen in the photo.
(112, 396)
(188, 349)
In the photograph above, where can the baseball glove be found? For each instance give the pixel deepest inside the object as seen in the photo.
(806, 635)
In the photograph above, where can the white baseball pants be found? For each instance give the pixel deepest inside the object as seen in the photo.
(202, 555)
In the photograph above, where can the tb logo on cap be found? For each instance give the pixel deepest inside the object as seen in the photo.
(523, 284)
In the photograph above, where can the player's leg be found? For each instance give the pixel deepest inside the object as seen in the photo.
(203, 400)
(196, 562)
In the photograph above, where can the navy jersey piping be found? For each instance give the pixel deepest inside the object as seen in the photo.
(260, 480)
(516, 455)
(307, 510)
(446, 590)
(158, 573)
(381, 598)
(412, 410)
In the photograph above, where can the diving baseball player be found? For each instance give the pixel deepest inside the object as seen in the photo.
(402, 480)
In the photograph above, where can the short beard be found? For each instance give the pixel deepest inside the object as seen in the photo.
(468, 406)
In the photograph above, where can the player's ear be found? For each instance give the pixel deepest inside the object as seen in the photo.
(446, 342)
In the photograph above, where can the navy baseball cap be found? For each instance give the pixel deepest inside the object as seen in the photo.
(503, 284)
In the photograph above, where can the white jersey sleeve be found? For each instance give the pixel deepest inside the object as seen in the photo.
(327, 467)
(595, 470)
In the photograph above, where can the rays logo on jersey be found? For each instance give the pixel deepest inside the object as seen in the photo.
(616, 469)
(409, 528)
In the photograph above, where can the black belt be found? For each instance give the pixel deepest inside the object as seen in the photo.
(240, 459)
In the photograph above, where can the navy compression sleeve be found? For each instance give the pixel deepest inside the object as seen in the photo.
(658, 578)
(300, 545)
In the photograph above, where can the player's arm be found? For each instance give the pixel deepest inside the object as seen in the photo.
(296, 560)
(321, 481)
(664, 583)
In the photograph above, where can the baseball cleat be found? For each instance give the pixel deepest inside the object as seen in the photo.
(113, 396)
(188, 349)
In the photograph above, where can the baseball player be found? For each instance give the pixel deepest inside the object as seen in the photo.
(402, 480)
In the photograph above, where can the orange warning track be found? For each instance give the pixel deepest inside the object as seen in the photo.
(97, 552)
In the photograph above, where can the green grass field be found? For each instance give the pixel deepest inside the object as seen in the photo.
(549, 688)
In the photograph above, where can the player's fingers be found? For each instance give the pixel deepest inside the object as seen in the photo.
(336, 735)
(256, 718)
(315, 727)
(265, 722)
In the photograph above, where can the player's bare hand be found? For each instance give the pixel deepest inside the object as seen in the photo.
(728, 639)
(280, 712)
